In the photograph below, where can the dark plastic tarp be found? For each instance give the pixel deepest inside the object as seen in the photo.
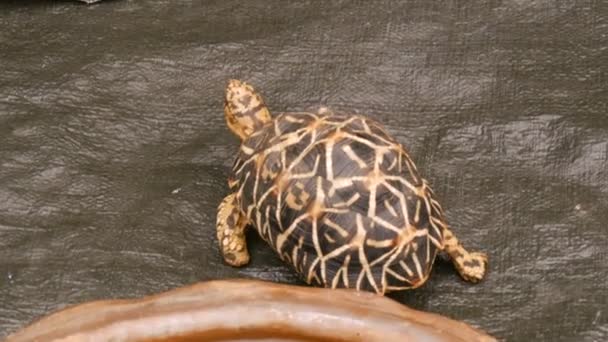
(114, 151)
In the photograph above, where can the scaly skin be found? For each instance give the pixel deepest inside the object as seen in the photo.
(231, 232)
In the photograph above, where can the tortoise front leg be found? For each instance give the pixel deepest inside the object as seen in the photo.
(470, 265)
(231, 232)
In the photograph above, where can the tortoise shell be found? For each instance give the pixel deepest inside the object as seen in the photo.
(340, 200)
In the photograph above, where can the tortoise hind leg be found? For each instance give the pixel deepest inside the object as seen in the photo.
(231, 232)
(470, 265)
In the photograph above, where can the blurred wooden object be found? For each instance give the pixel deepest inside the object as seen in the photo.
(237, 310)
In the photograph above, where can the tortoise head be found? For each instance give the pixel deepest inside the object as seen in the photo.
(244, 109)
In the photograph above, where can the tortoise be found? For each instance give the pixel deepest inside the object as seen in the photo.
(336, 197)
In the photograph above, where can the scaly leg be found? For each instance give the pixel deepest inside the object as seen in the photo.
(231, 232)
(470, 265)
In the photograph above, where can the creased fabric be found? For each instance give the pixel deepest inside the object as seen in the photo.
(114, 150)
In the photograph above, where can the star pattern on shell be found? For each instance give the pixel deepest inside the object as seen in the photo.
(336, 197)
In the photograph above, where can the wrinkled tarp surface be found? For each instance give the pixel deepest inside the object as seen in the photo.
(114, 151)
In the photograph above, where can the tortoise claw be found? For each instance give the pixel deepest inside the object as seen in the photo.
(474, 267)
